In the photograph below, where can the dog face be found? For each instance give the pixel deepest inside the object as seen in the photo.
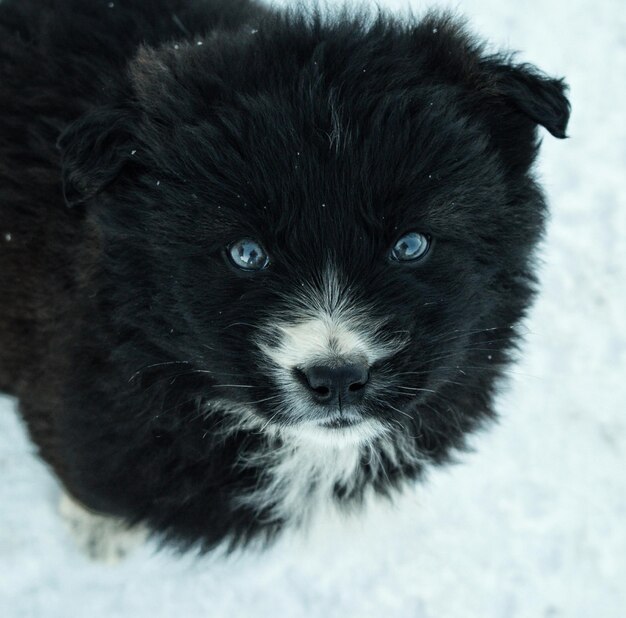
(333, 225)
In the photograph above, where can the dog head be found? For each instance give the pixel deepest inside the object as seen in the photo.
(333, 222)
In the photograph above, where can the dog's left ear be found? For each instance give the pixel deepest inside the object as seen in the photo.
(94, 150)
(540, 98)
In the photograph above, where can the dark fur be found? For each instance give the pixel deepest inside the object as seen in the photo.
(166, 154)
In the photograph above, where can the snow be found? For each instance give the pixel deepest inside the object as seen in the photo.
(533, 523)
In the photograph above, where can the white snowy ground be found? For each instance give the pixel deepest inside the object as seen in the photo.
(532, 524)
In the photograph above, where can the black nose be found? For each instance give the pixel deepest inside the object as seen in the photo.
(340, 384)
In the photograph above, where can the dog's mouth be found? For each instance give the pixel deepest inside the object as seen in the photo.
(333, 428)
(341, 422)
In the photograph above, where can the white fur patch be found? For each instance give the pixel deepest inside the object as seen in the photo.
(103, 538)
(331, 324)
(300, 476)
(304, 464)
(318, 339)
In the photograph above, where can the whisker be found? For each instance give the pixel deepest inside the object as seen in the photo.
(262, 400)
(157, 365)
(268, 422)
(416, 389)
(238, 324)
(232, 386)
(399, 411)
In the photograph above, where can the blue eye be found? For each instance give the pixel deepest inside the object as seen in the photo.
(248, 254)
(410, 247)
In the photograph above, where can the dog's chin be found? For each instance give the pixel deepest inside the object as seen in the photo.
(337, 431)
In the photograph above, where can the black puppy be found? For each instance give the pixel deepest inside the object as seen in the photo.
(252, 263)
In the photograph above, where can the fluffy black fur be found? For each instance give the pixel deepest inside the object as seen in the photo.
(172, 127)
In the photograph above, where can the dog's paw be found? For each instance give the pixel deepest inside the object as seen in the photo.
(103, 538)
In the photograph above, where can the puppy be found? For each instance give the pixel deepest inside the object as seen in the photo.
(253, 263)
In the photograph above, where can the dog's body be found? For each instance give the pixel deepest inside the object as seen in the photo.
(176, 376)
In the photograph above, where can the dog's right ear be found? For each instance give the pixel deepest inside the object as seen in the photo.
(94, 150)
(530, 92)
